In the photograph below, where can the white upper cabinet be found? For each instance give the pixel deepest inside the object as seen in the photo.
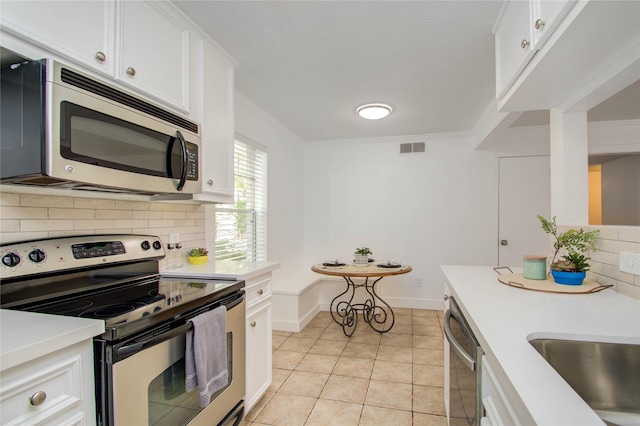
(546, 15)
(143, 44)
(215, 83)
(572, 52)
(154, 52)
(83, 31)
(513, 43)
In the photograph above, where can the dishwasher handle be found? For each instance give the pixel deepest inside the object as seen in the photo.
(457, 347)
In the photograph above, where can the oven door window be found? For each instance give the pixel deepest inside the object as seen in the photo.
(99, 139)
(169, 403)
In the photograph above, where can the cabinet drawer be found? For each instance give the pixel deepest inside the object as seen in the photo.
(61, 382)
(258, 292)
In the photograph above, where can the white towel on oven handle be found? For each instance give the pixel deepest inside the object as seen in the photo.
(206, 354)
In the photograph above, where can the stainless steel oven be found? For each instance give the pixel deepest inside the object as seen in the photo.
(140, 359)
(464, 354)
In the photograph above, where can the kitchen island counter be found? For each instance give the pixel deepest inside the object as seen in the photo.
(238, 270)
(506, 318)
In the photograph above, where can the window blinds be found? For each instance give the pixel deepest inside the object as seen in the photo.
(241, 227)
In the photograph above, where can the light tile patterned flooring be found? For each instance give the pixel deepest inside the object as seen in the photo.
(321, 377)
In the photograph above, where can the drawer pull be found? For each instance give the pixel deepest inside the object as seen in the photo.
(252, 323)
(260, 291)
(37, 398)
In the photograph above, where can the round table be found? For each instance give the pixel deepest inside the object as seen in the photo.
(375, 311)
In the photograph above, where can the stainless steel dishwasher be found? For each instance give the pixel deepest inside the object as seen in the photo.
(464, 382)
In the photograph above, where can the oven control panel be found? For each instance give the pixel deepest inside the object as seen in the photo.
(99, 249)
(56, 254)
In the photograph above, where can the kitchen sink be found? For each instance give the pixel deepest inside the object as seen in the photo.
(605, 375)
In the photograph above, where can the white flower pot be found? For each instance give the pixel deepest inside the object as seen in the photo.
(361, 259)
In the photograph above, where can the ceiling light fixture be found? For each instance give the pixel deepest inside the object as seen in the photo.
(373, 111)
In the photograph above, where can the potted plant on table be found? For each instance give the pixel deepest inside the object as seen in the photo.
(572, 268)
(198, 256)
(361, 256)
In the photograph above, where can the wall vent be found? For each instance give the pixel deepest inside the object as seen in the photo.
(406, 148)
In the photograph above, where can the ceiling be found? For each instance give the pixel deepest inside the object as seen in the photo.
(310, 64)
(624, 105)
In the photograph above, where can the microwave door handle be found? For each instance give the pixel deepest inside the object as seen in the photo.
(455, 345)
(185, 164)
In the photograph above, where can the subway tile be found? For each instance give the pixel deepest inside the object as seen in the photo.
(162, 223)
(27, 200)
(629, 233)
(15, 212)
(131, 205)
(173, 215)
(58, 213)
(113, 214)
(93, 224)
(9, 226)
(131, 223)
(46, 225)
(92, 203)
(12, 237)
(8, 199)
(145, 214)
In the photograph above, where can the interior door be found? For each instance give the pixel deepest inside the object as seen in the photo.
(524, 193)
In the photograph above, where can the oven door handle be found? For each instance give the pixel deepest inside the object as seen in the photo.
(127, 350)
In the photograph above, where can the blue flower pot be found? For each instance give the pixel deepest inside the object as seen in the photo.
(568, 278)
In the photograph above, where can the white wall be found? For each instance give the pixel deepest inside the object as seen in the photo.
(423, 209)
(285, 224)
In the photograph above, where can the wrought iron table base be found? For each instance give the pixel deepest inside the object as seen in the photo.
(375, 311)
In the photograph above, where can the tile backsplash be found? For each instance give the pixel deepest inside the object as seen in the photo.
(27, 216)
(604, 261)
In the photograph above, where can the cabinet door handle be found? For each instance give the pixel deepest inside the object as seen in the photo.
(524, 43)
(252, 323)
(539, 24)
(210, 182)
(37, 398)
(131, 71)
(260, 291)
(101, 56)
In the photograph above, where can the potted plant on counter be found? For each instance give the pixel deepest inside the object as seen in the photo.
(198, 256)
(361, 256)
(572, 268)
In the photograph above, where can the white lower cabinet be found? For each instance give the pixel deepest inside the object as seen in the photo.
(498, 409)
(56, 389)
(259, 356)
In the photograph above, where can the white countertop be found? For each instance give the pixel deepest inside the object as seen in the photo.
(25, 336)
(238, 270)
(505, 318)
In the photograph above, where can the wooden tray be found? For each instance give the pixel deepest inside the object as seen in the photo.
(549, 285)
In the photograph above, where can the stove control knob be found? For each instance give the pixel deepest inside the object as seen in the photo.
(145, 245)
(11, 260)
(37, 256)
(157, 245)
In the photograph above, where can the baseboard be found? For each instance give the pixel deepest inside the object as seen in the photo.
(402, 302)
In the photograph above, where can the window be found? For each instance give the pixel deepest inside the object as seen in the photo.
(241, 227)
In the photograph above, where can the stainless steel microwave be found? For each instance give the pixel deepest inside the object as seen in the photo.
(62, 128)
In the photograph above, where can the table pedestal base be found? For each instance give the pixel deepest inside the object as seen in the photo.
(375, 311)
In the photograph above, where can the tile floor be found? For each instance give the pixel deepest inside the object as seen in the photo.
(321, 377)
